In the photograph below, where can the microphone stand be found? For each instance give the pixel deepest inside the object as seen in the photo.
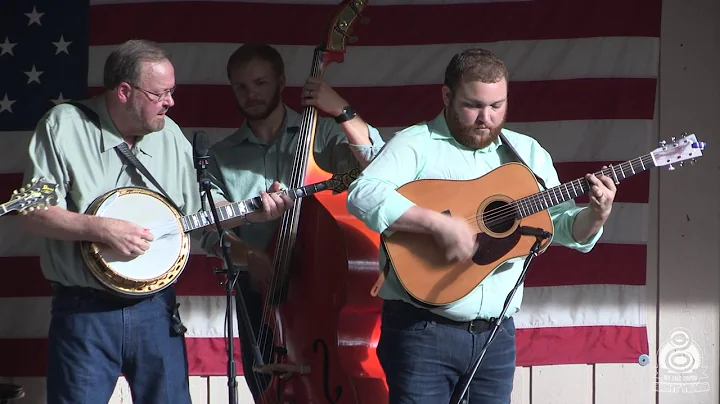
(231, 275)
(540, 236)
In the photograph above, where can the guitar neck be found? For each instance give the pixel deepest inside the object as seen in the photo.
(573, 189)
(238, 209)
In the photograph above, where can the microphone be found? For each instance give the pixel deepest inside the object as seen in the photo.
(201, 150)
(201, 154)
(534, 231)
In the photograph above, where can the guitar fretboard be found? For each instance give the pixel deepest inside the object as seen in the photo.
(237, 209)
(570, 190)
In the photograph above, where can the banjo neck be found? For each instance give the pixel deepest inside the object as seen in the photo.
(337, 183)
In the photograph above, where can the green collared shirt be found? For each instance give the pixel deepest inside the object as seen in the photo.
(241, 166)
(428, 151)
(67, 149)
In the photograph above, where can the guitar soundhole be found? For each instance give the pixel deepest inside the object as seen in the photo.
(498, 216)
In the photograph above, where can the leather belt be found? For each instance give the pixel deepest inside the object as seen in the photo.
(406, 309)
(86, 292)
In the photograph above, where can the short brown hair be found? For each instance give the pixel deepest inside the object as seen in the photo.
(474, 65)
(125, 62)
(250, 51)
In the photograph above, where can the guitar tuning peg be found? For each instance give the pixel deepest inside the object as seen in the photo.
(15, 191)
(661, 143)
(45, 207)
(682, 163)
(32, 208)
(22, 212)
(22, 189)
(672, 139)
(693, 161)
(670, 167)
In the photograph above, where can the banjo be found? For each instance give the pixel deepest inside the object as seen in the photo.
(163, 263)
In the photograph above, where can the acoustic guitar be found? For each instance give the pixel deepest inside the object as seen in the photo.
(38, 194)
(501, 206)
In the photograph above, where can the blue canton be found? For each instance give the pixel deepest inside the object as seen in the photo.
(43, 58)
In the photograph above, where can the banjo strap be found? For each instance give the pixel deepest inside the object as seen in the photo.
(124, 151)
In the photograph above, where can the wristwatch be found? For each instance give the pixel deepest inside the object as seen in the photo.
(347, 114)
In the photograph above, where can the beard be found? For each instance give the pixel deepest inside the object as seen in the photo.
(155, 124)
(474, 136)
(264, 113)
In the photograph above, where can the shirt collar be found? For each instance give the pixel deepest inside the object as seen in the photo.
(111, 136)
(290, 124)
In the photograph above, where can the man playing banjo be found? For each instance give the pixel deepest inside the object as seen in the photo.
(95, 335)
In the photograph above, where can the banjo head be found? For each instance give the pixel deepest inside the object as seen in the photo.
(160, 265)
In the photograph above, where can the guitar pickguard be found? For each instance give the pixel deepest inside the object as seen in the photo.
(491, 249)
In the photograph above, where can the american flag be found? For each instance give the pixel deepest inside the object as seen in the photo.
(583, 82)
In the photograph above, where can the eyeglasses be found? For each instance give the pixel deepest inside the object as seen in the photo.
(160, 97)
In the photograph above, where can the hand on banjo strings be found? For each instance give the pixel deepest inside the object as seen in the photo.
(273, 205)
(127, 238)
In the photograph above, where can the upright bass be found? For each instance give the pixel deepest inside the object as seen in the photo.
(322, 324)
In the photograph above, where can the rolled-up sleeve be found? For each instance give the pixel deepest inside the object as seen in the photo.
(45, 159)
(373, 198)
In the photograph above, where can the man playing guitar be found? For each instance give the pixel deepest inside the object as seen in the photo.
(426, 350)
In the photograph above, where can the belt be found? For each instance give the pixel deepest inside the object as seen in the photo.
(406, 309)
(87, 292)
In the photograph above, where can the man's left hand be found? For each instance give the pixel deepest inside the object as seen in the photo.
(319, 94)
(602, 194)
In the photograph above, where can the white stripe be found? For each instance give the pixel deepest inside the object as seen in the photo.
(628, 224)
(204, 316)
(591, 140)
(372, 66)
(374, 3)
(584, 305)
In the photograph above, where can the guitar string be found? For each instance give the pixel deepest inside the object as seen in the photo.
(498, 215)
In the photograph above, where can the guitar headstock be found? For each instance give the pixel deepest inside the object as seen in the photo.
(339, 183)
(341, 28)
(38, 194)
(678, 151)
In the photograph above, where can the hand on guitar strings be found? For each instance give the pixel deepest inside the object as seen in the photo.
(455, 237)
(602, 194)
(273, 205)
(127, 238)
(320, 95)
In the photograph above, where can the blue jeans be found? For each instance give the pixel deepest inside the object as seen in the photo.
(93, 337)
(425, 356)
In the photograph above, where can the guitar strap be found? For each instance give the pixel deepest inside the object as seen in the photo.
(123, 150)
(520, 159)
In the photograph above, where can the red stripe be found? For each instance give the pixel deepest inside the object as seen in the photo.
(558, 266)
(580, 345)
(530, 101)
(208, 357)
(240, 22)
(615, 264)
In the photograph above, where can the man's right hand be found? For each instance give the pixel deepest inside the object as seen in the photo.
(455, 236)
(125, 237)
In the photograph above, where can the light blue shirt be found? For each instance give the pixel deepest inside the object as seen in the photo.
(241, 166)
(428, 151)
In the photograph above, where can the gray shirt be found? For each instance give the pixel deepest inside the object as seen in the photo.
(67, 149)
